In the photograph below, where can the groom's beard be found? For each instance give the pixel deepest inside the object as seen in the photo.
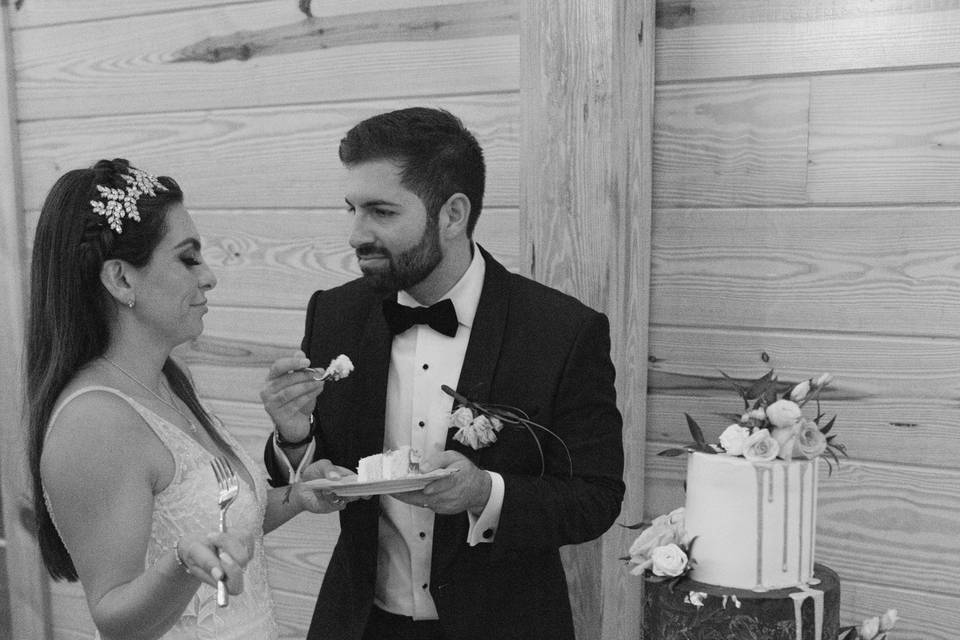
(407, 268)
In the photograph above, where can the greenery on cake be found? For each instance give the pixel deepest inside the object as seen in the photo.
(772, 423)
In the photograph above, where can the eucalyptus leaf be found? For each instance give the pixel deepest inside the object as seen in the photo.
(826, 429)
(696, 432)
(672, 453)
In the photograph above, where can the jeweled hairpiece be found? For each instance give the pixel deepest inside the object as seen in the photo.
(117, 204)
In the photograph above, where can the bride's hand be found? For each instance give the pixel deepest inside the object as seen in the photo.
(320, 500)
(215, 556)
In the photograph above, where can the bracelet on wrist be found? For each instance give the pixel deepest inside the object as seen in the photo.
(287, 444)
(180, 562)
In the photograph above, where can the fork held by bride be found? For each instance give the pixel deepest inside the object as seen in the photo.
(229, 489)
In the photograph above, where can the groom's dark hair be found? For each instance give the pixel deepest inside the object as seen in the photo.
(438, 156)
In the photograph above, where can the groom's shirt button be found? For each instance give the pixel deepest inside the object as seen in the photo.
(426, 366)
(488, 533)
(423, 534)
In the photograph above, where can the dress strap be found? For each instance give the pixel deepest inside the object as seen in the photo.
(79, 392)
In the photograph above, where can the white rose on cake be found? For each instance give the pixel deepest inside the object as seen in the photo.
(810, 441)
(761, 447)
(784, 414)
(664, 530)
(734, 439)
(668, 560)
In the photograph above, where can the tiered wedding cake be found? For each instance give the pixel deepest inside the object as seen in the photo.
(738, 559)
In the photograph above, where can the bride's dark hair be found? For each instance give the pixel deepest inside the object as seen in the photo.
(69, 317)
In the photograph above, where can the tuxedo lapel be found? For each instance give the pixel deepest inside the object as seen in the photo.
(476, 379)
(486, 335)
(374, 362)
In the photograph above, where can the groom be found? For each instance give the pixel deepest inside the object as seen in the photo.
(473, 554)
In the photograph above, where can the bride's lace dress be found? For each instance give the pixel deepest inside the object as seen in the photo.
(189, 505)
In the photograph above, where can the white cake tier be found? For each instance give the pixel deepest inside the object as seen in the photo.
(755, 522)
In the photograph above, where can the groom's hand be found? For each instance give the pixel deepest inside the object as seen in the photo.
(467, 489)
(289, 395)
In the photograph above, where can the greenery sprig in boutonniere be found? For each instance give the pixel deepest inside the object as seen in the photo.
(477, 425)
(772, 424)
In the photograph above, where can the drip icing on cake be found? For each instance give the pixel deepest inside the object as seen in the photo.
(798, 599)
(754, 522)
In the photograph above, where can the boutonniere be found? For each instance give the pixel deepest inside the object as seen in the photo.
(477, 425)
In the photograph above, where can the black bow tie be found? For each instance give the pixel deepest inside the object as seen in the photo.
(441, 317)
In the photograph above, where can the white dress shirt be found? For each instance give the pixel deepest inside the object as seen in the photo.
(417, 414)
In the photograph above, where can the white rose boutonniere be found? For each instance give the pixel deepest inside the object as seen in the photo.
(477, 425)
(479, 432)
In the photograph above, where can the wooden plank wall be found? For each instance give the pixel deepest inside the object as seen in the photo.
(25, 593)
(252, 139)
(807, 218)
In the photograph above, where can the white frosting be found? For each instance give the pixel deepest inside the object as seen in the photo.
(386, 466)
(754, 522)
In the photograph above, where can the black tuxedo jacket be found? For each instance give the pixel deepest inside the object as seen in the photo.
(533, 348)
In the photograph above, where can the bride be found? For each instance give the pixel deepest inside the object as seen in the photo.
(121, 447)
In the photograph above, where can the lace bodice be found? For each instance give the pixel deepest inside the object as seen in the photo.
(189, 505)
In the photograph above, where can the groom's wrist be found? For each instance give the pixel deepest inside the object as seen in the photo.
(289, 443)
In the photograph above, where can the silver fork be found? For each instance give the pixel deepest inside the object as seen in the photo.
(229, 488)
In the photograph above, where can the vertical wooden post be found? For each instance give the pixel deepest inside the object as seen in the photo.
(585, 191)
(29, 599)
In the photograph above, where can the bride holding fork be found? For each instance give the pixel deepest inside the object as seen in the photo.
(131, 473)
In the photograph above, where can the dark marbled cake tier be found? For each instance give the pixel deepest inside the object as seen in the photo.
(771, 615)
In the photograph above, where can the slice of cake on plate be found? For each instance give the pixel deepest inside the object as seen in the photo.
(389, 465)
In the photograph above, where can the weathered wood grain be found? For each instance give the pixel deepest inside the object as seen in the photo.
(50, 12)
(688, 361)
(736, 143)
(924, 615)
(886, 138)
(414, 24)
(70, 617)
(73, 70)
(586, 100)
(277, 258)
(255, 158)
(699, 39)
(28, 597)
(920, 431)
(883, 270)
(889, 525)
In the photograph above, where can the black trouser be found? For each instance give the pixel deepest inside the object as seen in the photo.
(383, 625)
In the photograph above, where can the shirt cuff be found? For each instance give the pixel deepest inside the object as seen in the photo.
(483, 528)
(293, 475)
